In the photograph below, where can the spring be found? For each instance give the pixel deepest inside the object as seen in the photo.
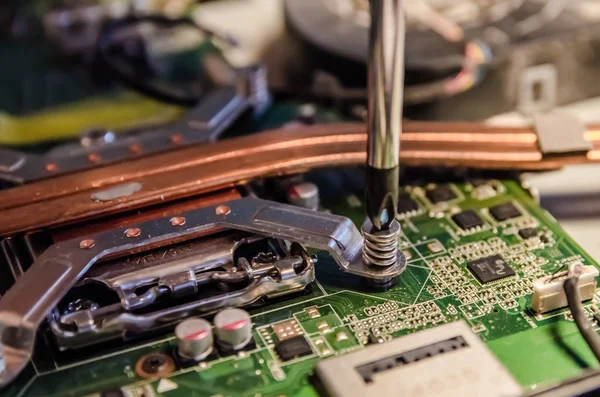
(380, 248)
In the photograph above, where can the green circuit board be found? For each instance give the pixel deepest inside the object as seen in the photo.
(341, 314)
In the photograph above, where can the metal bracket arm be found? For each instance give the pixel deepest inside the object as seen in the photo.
(38, 291)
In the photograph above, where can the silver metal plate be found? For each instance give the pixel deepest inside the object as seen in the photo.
(561, 133)
(466, 372)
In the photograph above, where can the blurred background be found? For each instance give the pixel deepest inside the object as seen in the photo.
(86, 72)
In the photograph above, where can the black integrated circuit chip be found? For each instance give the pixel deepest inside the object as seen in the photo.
(467, 219)
(528, 232)
(503, 212)
(490, 269)
(293, 347)
(440, 193)
(406, 204)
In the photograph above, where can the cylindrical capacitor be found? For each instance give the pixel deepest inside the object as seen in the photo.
(233, 328)
(305, 195)
(195, 338)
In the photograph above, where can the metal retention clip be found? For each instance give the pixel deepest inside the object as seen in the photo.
(38, 291)
(204, 123)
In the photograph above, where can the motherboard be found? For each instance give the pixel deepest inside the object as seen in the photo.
(189, 209)
(474, 251)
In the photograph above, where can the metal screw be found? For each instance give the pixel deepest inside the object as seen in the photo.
(177, 221)
(132, 232)
(86, 244)
(222, 210)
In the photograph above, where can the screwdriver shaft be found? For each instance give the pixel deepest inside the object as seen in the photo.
(385, 85)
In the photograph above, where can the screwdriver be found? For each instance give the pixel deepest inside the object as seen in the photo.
(385, 90)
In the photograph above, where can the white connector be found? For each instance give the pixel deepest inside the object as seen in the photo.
(548, 292)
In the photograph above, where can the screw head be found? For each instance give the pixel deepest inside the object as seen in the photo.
(86, 244)
(222, 210)
(177, 221)
(93, 157)
(132, 232)
(51, 167)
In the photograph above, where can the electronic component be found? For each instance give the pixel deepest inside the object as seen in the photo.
(324, 327)
(503, 212)
(305, 194)
(467, 220)
(483, 192)
(528, 232)
(435, 247)
(194, 338)
(490, 269)
(375, 339)
(548, 292)
(424, 364)
(322, 347)
(440, 193)
(233, 328)
(482, 189)
(294, 347)
(406, 204)
(313, 312)
(287, 329)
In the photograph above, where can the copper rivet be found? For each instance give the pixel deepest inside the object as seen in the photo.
(86, 244)
(93, 157)
(51, 167)
(177, 138)
(222, 210)
(132, 232)
(135, 148)
(177, 221)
